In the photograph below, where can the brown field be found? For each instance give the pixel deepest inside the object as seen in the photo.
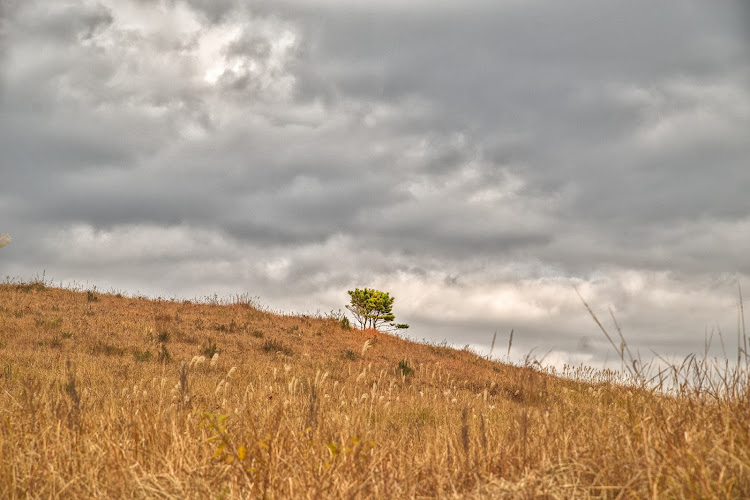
(102, 396)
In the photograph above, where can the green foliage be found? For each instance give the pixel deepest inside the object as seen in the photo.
(48, 324)
(404, 368)
(292, 329)
(276, 346)
(372, 308)
(209, 349)
(106, 349)
(141, 356)
(162, 338)
(164, 355)
(232, 327)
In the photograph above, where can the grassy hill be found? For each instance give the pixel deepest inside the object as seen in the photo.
(105, 396)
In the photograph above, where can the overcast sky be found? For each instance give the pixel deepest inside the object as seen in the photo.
(477, 159)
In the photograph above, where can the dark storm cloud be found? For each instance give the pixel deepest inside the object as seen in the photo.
(575, 82)
(494, 153)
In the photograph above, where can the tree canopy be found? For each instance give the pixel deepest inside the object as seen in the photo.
(372, 308)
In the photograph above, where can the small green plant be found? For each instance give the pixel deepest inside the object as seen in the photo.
(107, 349)
(349, 354)
(209, 349)
(91, 297)
(232, 327)
(276, 346)
(257, 334)
(226, 449)
(345, 323)
(48, 325)
(164, 355)
(404, 368)
(141, 356)
(163, 337)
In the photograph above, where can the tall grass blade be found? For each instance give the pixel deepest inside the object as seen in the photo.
(492, 346)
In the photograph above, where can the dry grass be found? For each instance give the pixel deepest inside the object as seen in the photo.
(107, 397)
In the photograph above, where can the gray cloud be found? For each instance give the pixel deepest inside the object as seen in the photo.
(478, 160)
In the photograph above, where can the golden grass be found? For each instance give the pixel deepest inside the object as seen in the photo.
(103, 396)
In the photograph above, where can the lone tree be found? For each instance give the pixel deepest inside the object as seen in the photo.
(372, 309)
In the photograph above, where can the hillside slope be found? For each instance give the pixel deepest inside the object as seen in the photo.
(104, 396)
